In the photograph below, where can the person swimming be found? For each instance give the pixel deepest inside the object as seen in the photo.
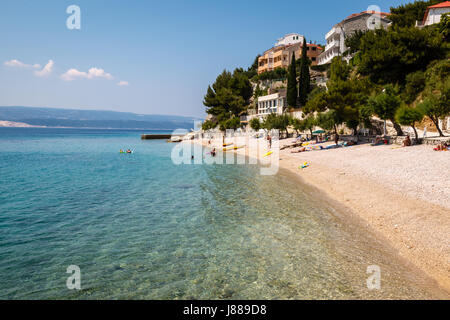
(129, 151)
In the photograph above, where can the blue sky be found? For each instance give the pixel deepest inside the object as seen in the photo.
(164, 53)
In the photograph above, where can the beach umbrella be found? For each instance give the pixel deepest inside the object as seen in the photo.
(318, 131)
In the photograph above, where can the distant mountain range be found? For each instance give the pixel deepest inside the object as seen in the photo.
(52, 117)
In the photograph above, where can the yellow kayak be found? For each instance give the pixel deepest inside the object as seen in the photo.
(233, 148)
(268, 154)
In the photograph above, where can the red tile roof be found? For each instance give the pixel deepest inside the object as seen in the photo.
(444, 4)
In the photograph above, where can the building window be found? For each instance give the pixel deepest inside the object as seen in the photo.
(313, 58)
(314, 48)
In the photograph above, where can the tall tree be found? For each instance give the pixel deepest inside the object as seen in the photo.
(305, 79)
(437, 92)
(436, 108)
(342, 101)
(229, 95)
(292, 91)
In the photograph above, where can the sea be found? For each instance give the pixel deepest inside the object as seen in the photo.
(139, 226)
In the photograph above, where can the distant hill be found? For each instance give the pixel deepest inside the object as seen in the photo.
(52, 117)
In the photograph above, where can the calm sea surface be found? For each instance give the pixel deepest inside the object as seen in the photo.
(140, 227)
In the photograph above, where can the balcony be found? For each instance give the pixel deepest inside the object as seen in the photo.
(332, 44)
(330, 33)
(333, 32)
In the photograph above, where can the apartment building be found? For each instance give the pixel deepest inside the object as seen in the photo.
(335, 38)
(280, 56)
(272, 103)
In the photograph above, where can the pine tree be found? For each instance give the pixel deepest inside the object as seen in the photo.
(304, 83)
(292, 91)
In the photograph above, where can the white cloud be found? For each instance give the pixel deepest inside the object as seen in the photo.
(123, 83)
(46, 70)
(73, 74)
(20, 64)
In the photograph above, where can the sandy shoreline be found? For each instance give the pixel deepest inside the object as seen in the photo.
(401, 194)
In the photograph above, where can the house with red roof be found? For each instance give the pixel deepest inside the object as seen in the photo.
(433, 13)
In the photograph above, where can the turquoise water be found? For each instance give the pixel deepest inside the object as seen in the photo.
(140, 227)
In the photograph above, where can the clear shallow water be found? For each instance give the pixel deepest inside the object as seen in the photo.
(140, 227)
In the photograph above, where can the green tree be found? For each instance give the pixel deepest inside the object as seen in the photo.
(353, 42)
(444, 26)
(408, 116)
(229, 95)
(353, 124)
(343, 99)
(292, 91)
(252, 71)
(437, 92)
(296, 125)
(276, 74)
(415, 83)
(276, 121)
(435, 109)
(385, 105)
(232, 123)
(255, 124)
(309, 123)
(328, 121)
(388, 56)
(258, 92)
(305, 79)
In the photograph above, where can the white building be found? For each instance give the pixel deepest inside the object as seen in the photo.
(359, 21)
(272, 103)
(434, 13)
(291, 38)
(335, 45)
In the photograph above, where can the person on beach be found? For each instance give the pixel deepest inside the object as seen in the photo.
(269, 140)
(213, 152)
(407, 142)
